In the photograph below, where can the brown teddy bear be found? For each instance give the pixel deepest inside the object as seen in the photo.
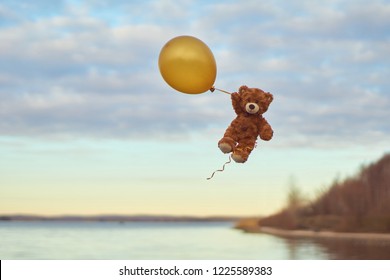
(240, 137)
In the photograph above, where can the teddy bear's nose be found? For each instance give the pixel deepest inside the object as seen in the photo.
(251, 106)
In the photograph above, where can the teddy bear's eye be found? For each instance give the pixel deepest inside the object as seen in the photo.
(257, 101)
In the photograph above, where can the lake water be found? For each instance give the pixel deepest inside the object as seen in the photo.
(167, 240)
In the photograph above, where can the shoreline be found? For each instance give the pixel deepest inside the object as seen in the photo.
(114, 218)
(318, 234)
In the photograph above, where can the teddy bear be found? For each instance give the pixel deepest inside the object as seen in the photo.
(241, 135)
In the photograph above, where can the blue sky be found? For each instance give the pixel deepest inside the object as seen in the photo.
(87, 124)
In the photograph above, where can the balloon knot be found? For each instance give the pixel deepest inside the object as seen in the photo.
(212, 89)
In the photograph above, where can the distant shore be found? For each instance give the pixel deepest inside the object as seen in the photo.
(317, 234)
(116, 218)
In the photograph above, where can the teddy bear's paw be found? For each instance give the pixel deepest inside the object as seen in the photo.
(266, 134)
(238, 158)
(225, 147)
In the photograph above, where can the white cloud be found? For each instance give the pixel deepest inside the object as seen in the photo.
(94, 73)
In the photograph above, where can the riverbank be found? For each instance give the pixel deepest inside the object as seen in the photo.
(316, 234)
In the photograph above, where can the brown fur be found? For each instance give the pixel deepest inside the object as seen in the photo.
(240, 137)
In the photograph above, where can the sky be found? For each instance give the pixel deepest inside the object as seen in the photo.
(88, 126)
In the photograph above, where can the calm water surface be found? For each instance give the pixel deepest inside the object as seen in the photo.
(168, 240)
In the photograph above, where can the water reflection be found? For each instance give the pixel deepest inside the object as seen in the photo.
(145, 240)
(339, 249)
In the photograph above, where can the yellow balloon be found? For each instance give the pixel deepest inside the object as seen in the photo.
(188, 65)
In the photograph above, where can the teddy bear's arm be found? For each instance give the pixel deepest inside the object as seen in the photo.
(265, 130)
(236, 99)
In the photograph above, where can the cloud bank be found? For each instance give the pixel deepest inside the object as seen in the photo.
(89, 69)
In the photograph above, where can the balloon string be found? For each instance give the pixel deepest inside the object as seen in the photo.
(221, 90)
(220, 170)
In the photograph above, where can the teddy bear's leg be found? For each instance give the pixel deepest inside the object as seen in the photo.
(226, 144)
(243, 150)
(228, 141)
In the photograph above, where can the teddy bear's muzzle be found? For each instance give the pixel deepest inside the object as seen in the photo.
(252, 108)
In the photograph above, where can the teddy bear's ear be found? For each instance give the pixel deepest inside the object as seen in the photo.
(242, 89)
(270, 97)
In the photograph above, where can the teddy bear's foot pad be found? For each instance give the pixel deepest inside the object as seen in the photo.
(238, 158)
(225, 148)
